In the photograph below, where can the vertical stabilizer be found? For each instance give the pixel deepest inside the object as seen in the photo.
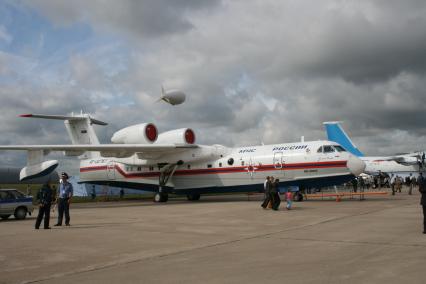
(336, 133)
(79, 127)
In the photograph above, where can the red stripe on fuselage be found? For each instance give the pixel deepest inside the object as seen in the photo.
(259, 168)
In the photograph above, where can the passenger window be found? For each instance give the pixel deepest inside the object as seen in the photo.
(188, 167)
(139, 168)
(230, 161)
(220, 165)
(242, 163)
(209, 166)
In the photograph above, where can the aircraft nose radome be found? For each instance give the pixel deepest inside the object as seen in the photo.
(356, 166)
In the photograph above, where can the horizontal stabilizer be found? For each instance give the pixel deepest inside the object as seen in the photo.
(65, 117)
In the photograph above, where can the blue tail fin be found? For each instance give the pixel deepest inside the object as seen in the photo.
(336, 133)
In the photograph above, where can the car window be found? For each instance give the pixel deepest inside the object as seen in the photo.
(18, 194)
(11, 195)
(3, 195)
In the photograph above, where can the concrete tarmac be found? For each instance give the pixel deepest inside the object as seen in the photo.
(226, 239)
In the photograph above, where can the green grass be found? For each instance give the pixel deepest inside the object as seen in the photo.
(34, 189)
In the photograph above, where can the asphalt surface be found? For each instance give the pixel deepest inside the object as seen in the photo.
(223, 239)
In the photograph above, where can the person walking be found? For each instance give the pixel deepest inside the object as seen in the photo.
(289, 199)
(45, 199)
(422, 189)
(411, 180)
(267, 198)
(65, 193)
(392, 182)
(275, 195)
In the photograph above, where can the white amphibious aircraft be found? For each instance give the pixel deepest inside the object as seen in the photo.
(171, 162)
(401, 165)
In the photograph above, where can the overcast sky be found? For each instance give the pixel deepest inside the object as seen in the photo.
(253, 71)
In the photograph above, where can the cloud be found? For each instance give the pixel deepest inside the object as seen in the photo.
(149, 18)
(4, 35)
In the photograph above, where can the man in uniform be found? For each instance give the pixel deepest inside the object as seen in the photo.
(45, 199)
(422, 189)
(65, 193)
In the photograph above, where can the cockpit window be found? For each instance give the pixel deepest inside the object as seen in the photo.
(328, 149)
(339, 148)
(319, 150)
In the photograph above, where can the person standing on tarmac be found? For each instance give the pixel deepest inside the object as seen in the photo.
(422, 189)
(275, 196)
(65, 193)
(45, 199)
(267, 192)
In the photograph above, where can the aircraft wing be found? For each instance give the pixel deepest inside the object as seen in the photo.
(405, 159)
(106, 150)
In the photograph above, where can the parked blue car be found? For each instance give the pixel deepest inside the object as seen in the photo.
(14, 202)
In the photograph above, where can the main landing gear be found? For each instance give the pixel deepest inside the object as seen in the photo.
(161, 197)
(166, 173)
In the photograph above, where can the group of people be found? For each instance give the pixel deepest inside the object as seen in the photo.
(272, 197)
(396, 183)
(63, 201)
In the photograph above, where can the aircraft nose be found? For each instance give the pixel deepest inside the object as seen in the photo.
(355, 165)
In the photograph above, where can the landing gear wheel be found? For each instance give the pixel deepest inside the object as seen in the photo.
(161, 197)
(193, 197)
(20, 213)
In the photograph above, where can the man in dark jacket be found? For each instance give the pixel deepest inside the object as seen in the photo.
(422, 189)
(267, 192)
(45, 199)
(276, 200)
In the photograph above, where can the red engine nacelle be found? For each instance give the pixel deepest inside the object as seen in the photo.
(178, 136)
(145, 133)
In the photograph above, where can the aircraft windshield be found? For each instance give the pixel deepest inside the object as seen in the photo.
(328, 149)
(339, 148)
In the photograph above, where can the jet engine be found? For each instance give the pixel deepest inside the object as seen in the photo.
(178, 136)
(145, 133)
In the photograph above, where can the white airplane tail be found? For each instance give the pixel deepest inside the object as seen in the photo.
(80, 130)
(79, 127)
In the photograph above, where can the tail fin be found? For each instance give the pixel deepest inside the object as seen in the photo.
(79, 127)
(336, 133)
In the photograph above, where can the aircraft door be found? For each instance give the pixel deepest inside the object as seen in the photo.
(278, 161)
(111, 170)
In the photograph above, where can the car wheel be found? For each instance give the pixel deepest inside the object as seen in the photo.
(20, 213)
(4, 217)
